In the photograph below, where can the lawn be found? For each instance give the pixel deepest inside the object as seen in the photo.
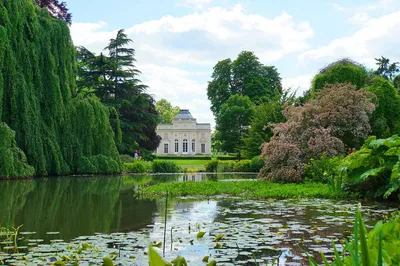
(192, 164)
(198, 165)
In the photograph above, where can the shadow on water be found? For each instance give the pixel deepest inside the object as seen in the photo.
(75, 206)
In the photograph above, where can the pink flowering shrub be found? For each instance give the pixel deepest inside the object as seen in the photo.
(337, 118)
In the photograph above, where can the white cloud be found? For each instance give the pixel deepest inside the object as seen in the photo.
(299, 84)
(377, 37)
(198, 4)
(361, 13)
(176, 54)
(340, 8)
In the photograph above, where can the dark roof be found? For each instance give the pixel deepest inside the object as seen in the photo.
(184, 114)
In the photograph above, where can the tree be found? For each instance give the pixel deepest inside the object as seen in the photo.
(219, 88)
(265, 115)
(341, 71)
(396, 82)
(56, 9)
(166, 112)
(336, 119)
(245, 76)
(114, 79)
(233, 122)
(386, 69)
(385, 121)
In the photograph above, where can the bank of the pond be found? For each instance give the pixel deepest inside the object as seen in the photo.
(248, 189)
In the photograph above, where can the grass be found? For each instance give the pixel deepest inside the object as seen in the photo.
(198, 165)
(248, 189)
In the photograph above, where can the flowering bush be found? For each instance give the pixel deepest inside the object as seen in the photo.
(338, 117)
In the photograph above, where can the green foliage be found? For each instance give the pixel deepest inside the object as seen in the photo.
(233, 121)
(249, 189)
(138, 166)
(162, 166)
(396, 82)
(125, 158)
(59, 134)
(235, 87)
(328, 170)
(242, 166)
(374, 170)
(212, 165)
(257, 163)
(199, 157)
(225, 166)
(253, 165)
(385, 121)
(114, 79)
(166, 111)
(13, 161)
(385, 69)
(260, 129)
(342, 71)
(380, 246)
(155, 259)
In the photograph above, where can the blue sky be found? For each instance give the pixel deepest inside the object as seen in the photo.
(178, 42)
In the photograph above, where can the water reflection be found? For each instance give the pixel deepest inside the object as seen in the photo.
(254, 229)
(75, 206)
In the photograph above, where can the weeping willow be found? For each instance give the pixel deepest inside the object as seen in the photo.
(58, 133)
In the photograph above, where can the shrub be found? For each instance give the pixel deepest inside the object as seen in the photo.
(138, 166)
(211, 166)
(327, 170)
(257, 163)
(160, 166)
(125, 158)
(374, 170)
(242, 166)
(224, 166)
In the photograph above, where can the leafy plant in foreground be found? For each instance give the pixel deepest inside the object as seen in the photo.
(380, 246)
(374, 170)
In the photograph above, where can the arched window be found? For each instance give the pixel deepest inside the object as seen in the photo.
(193, 145)
(185, 145)
(176, 146)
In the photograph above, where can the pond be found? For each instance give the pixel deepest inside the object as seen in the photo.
(60, 214)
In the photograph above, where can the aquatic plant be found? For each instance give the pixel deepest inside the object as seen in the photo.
(380, 246)
(249, 189)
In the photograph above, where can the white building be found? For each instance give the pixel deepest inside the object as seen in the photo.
(184, 136)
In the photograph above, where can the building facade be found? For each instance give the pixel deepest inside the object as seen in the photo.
(184, 136)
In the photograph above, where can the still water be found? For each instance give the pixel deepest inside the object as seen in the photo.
(107, 212)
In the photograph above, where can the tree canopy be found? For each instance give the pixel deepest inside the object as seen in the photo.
(114, 78)
(242, 81)
(58, 133)
(166, 111)
(56, 9)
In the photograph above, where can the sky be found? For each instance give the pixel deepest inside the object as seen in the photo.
(178, 42)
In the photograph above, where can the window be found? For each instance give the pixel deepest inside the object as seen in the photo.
(193, 145)
(165, 135)
(166, 148)
(185, 145)
(203, 148)
(176, 146)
